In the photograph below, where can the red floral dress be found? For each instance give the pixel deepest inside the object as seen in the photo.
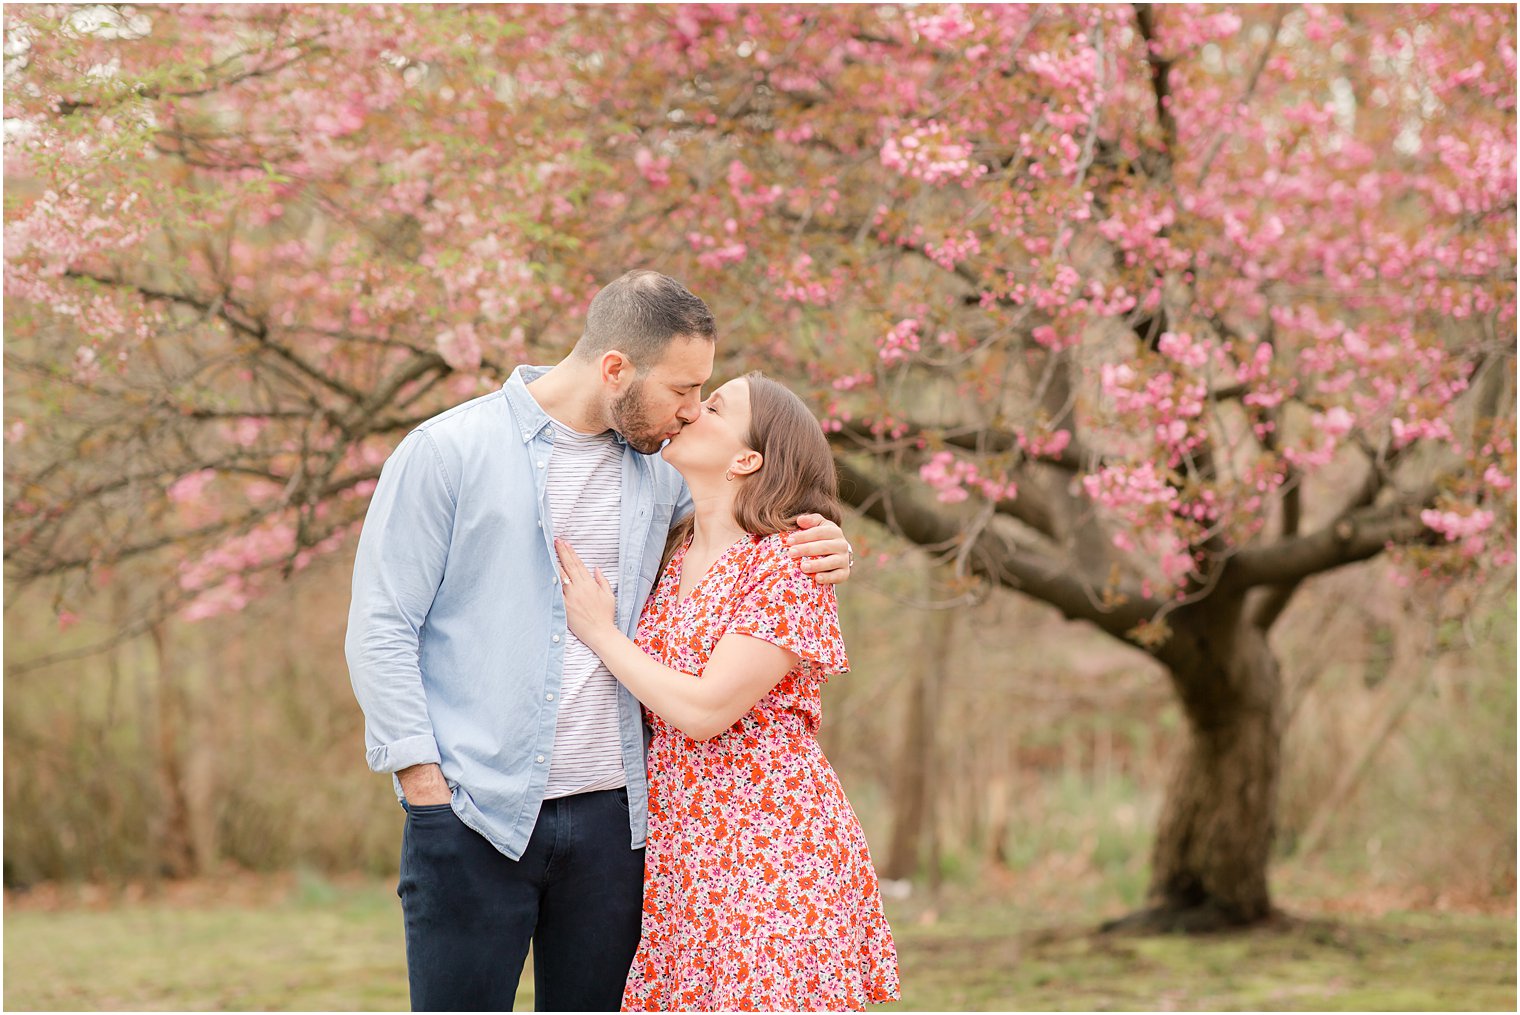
(759, 893)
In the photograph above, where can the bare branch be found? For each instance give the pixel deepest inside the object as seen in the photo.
(306, 47)
(219, 308)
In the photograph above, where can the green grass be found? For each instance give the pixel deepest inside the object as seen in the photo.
(322, 946)
(1402, 961)
(327, 949)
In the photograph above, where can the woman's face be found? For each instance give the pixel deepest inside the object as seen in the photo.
(714, 443)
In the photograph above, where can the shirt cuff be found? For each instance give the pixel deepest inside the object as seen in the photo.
(418, 750)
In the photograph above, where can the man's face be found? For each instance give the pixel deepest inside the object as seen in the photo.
(666, 397)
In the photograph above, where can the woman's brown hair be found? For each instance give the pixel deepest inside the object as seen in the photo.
(797, 473)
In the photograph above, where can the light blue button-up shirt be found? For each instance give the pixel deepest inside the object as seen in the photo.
(456, 633)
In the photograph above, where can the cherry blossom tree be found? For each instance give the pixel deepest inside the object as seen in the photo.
(1152, 314)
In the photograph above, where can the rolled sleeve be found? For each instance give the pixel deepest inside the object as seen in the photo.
(398, 568)
(421, 750)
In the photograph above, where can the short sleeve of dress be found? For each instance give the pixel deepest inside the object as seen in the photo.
(780, 604)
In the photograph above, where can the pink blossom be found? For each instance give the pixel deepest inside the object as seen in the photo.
(245, 432)
(1047, 445)
(928, 152)
(1334, 422)
(653, 168)
(715, 253)
(1183, 349)
(1172, 432)
(1408, 431)
(855, 380)
(86, 365)
(900, 341)
(339, 121)
(1176, 564)
(797, 281)
(460, 348)
(190, 488)
(1047, 336)
(1119, 487)
(954, 250)
(943, 26)
(228, 598)
(1455, 525)
(950, 477)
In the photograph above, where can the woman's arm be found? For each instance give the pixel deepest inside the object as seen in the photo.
(741, 671)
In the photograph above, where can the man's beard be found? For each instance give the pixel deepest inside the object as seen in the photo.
(630, 417)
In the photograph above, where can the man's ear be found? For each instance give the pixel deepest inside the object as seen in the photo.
(617, 370)
(747, 463)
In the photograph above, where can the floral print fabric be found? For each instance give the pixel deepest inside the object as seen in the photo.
(759, 893)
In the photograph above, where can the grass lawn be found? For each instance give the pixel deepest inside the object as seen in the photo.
(306, 944)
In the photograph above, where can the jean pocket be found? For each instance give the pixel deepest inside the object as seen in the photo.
(621, 796)
(426, 810)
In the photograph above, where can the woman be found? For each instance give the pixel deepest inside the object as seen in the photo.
(759, 892)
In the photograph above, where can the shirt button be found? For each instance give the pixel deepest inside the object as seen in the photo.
(549, 696)
(540, 465)
(539, 759)
(556, 639)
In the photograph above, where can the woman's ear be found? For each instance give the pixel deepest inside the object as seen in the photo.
(747, 463)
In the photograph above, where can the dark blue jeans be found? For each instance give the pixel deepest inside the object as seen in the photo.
(577, 894)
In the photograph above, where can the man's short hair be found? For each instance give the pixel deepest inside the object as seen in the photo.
(639, 314)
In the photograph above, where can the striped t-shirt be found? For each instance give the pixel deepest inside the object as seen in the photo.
(585, 485)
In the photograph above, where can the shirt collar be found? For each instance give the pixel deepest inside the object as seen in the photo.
(531, 417)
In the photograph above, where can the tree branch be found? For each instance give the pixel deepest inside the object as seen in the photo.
(1161, 69)
(990, 557)
(1265, 613)
(1261, 65)
(218, 308)
(981, 439)
(1028, 507)
(1355, 536)
(68, 107)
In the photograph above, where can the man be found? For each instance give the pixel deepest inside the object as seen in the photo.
(518, 757)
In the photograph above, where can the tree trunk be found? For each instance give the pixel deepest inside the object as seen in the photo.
(914, 784)
(175, 846)
(999, 819)
(1209, 861)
